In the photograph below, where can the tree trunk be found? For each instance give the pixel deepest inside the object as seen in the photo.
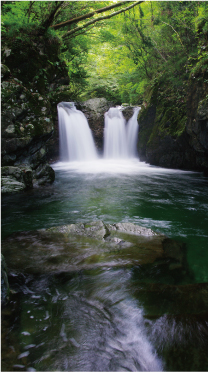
(47, 23)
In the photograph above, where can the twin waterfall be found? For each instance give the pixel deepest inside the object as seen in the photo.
(76, 140)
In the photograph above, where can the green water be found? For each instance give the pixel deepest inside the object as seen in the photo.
(111, 319)
(171, 202)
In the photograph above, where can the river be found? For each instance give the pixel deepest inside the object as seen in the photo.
(96, 320)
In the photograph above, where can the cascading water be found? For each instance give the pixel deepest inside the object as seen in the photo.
(132, 134)
(120, 141)
(76, 141)
(115, 145)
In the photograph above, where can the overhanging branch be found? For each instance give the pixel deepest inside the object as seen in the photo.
(88, 15)
(76, 29)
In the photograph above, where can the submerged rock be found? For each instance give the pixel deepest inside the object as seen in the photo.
(74, 247)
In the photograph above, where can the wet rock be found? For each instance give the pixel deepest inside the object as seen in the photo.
(22, 177)
(127, 111)
(96, 229)
(4, 282)
(131, 228)
(75, 247)
(94, 110)
(182, 145)
(43, 174)
(9, 184)
(14, 179)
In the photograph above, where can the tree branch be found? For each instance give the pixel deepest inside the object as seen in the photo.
(50, 17)
(88, 15)
(176, 34)
(100, 19)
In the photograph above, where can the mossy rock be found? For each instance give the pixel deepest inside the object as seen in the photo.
(86, 246)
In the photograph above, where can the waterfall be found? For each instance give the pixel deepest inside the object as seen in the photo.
(115, 145)
(132, 134)
(75, 137)
(76, 140)
(120, 140)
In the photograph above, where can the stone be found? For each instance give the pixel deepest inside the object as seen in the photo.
(84, 246)
(14, 179)
(94, 110)
(44, 174)
(131, 228)
(5, 72)
(10, 129)
(9, 184)
(95, 229)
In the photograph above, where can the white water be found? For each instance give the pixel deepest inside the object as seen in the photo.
(115, 144)
(76, 141)
(132, 134)
(120, 140)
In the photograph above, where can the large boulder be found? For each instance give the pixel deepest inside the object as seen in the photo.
(80, 246)
(22, 177)
(15, 179)
(94, 110)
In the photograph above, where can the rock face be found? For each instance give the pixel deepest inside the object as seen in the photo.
(27, 114)
(183, 147)
(76, 247)
(33, 81)
(94, 110)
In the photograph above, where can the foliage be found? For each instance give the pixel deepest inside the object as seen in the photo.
(154, 47)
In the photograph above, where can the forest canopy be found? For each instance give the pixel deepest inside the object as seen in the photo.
(119, 50)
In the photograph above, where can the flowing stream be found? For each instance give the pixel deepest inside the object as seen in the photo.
(110, 319)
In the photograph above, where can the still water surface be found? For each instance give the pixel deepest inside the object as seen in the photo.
(96, 320)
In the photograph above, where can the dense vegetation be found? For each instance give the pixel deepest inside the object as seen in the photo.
(123, 57)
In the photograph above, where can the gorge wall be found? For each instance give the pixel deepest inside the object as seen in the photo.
(176, 137)
(33, 81)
